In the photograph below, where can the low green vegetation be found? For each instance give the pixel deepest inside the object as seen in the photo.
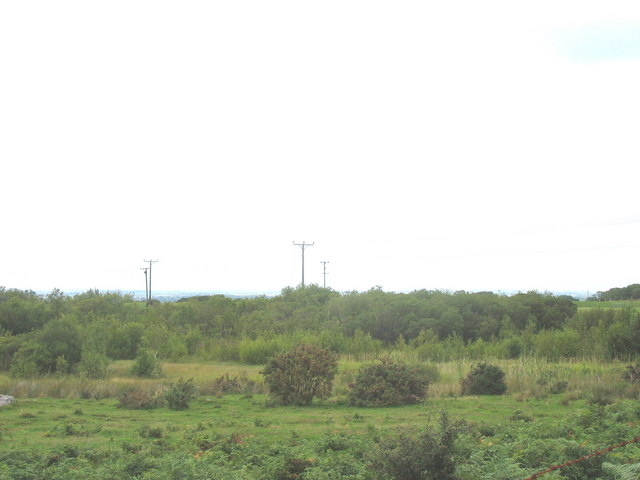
(630, 292)
(297, 376)
(63, 335)
(389, 383)
(242, 436)
(484, 379)
(316, 384)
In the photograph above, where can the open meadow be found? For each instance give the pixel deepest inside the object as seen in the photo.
(69, 426)
(217, 388)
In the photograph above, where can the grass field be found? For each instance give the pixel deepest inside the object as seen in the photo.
(46, 422)
(609, 304)
(243, 436)
(48, 409)
(525, 377)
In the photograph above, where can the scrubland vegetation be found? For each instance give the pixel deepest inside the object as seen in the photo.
(446, 385)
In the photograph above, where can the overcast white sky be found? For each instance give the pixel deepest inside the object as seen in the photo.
(453, 145)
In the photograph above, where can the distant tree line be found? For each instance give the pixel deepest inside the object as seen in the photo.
(630, 292)
(59, 334)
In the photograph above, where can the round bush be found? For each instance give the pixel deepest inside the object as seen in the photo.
(484, 379)
(146, 365)
(390, 383)
(296, 376)
(180, 394)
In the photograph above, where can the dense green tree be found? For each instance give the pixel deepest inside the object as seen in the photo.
(630, 292)
(61, 338)
(22, 311)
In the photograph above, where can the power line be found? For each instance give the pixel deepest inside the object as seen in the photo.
(324, 273)
(303, 245)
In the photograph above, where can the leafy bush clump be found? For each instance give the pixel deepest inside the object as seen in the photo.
(138, 399)
(227, 384)
(297, 376)
(258, 351)
(484, 379)
(147, 431)
(423, 455)
(180, 394)
(93, 364)
(146, 365)
(388, 383)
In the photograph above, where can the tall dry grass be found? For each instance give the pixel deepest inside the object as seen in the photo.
(525, 377)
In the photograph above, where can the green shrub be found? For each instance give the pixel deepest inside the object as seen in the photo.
(293, 468)
(146, 365)
(514, 348)
(180, 394)
(388, 383)
(9, 345)
(484, 379)
(297, 376)
(226, 384)
(424, 455)
(258, 351)
(138, 399)
(30, 360)
(93, 364)
(150, 432)
(602, 394)
(62, 365)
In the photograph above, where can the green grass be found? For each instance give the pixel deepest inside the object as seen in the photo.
(237, 433)
(101, 423)
(37, 419)
(527, 377)
(608, 304)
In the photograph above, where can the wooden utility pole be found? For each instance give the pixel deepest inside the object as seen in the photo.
(324, 274)
(145, 274)
(303, 245)
(146, 284)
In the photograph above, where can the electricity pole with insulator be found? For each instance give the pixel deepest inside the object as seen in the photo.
(303, 245)
(150, 262)
(146, 284)
(324, 274)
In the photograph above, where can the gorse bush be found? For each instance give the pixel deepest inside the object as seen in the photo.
(424, 455)
(390, 382)
(139, 399)
(484, 379)
(297, 376)
(180, 394)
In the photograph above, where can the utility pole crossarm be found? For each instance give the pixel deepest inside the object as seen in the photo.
(303, 245)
